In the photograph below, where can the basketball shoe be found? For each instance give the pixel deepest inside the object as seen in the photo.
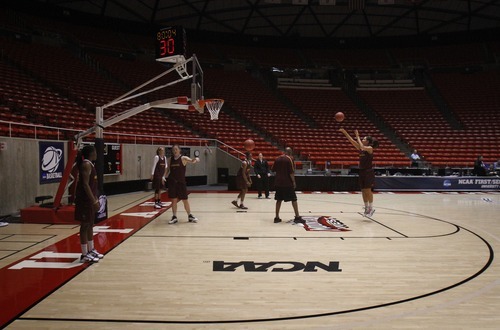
(88, 258)
(96, 254)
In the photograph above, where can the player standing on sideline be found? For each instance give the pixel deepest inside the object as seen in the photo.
(243, 180)
(158, 174)
(176, 172)
(366, 173)
(284, 183)
(261, 168)
(86, 202)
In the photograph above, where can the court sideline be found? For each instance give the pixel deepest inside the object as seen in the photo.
(422, 261)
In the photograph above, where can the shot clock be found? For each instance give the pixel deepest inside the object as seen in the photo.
(170, 42)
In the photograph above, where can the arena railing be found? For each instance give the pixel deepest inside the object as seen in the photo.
(35, 131)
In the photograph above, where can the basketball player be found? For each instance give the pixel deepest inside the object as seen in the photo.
(158, 174)
(284, 183)
(366, 173)
(87, 203)
(243, 180)
(262, 172)
(176, 172)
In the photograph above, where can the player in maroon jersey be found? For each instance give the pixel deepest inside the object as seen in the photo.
(176, 172)
(87, 203)
(158, 174)
(285, 185)
(366, 173)
(243, 180)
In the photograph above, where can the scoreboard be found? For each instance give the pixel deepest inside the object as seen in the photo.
(170, 41)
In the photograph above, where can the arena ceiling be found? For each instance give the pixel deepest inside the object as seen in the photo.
(304, 18)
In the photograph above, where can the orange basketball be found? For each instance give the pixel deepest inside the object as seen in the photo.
(249, 145)
(339, 116)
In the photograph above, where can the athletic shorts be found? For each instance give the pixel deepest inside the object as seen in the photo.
(285, 194)
(84, 213)
(241, 184)
(366, 179)
(177, 190)
(157, 183)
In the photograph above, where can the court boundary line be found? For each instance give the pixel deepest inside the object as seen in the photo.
(473, 276)
(83, 267)
(298, 317)
(34, 243)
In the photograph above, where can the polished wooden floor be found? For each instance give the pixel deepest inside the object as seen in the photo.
(423, 261)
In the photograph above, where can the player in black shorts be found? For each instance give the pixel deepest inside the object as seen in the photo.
(158, 175)
(366, 173)
(285, 185)
(176, 171)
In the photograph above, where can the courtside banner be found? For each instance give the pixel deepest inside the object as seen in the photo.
(445, 183)
(51, 161)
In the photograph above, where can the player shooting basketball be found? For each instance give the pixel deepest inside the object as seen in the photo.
(366, 173)
(176, 172)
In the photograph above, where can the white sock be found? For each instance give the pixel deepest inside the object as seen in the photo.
(90, 245)
(84, 249)
(370, 205)
(366, 204)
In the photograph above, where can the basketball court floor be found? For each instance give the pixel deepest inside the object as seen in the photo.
(423, 261)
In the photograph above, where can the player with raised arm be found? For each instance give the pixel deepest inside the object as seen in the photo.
(177, 190)
(366, 173)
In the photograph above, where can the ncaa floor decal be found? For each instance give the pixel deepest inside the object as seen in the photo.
(323, 223)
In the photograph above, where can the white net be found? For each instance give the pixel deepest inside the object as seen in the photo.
(214, 106)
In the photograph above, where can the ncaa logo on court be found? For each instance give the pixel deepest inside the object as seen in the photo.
(275, 266)
(322, 223)
(51, 161)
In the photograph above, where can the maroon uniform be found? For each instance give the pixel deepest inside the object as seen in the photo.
(177, 179)
(241, 178)
(84, 210)
(366, 173)
(284, 168)
(159, 171)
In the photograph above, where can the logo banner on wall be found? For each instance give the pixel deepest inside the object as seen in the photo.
(102, 213)
(51, 161)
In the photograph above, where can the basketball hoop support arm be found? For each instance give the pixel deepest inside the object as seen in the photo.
(100, 123)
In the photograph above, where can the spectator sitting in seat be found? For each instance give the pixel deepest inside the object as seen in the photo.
(479, 167)
(496, 165)
(414, 158)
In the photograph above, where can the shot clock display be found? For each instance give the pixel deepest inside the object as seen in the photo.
(170, 41)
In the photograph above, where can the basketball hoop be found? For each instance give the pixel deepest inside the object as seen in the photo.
(213, 106)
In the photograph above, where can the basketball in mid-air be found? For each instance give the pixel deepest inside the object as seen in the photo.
(249, 145)
(339, 116)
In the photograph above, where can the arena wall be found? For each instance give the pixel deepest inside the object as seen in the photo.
(19, 164)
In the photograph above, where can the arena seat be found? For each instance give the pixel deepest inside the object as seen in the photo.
(322, 105)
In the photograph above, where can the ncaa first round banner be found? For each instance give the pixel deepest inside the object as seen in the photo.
(51, 161)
